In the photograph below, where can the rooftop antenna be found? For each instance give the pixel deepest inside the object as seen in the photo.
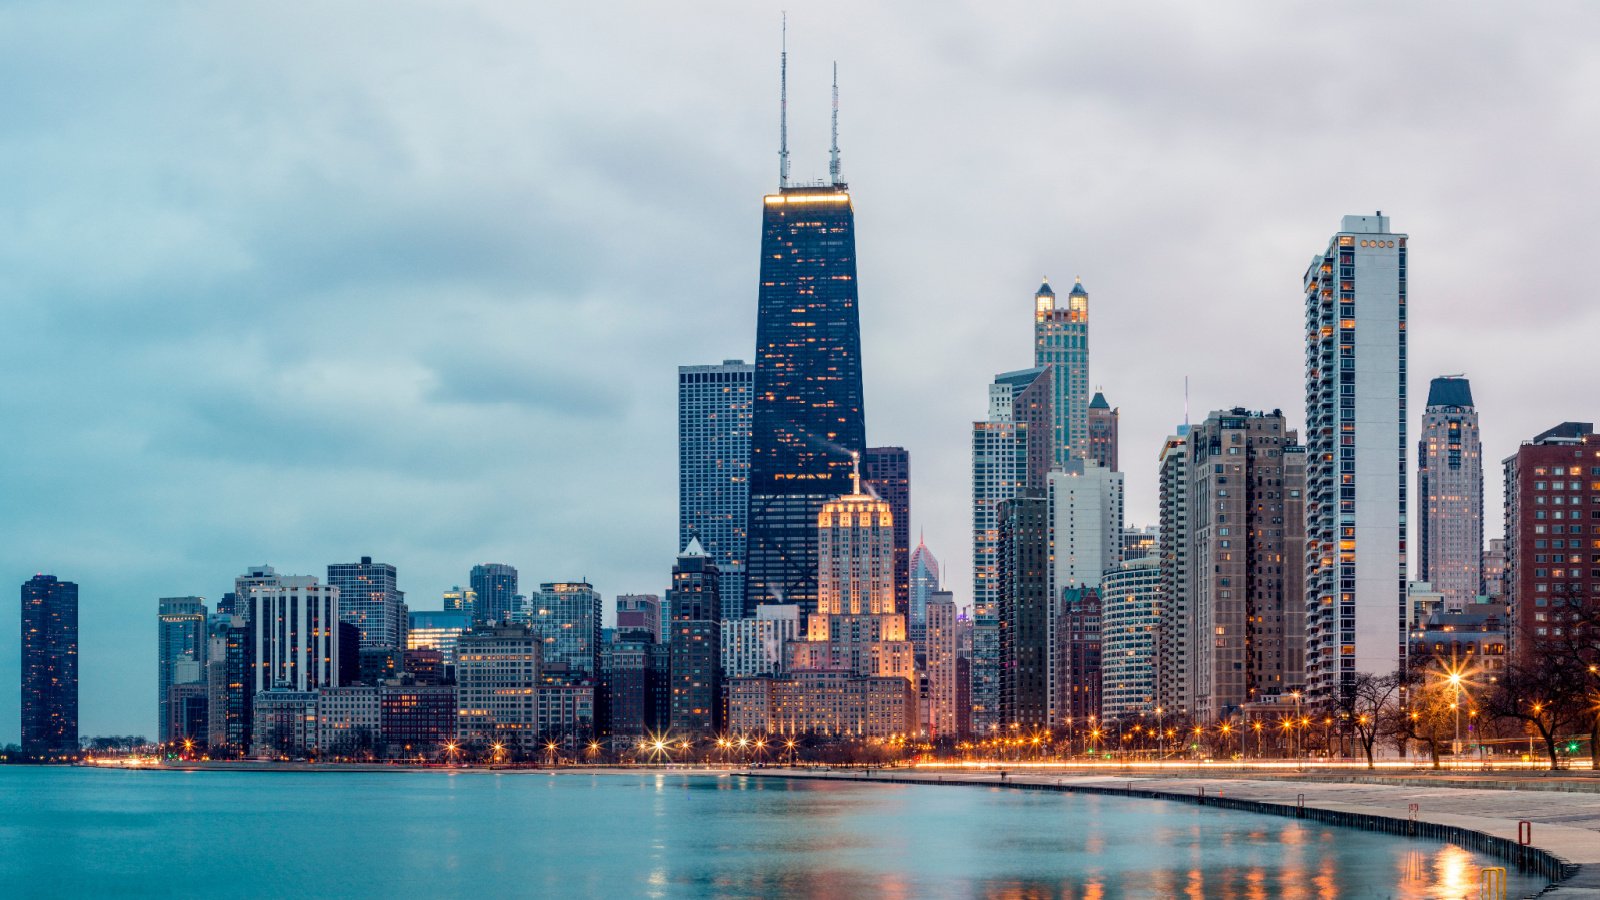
(855, 472)
(783, 106)
(833, 152)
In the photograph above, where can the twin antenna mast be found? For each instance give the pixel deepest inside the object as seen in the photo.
(783, 115)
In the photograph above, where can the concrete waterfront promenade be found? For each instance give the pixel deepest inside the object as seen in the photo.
(1482, 812)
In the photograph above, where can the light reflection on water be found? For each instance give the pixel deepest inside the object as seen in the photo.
(672, 836)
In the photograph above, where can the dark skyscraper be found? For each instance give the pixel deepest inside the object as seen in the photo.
(496, 587)
(695, 644)
(180, 644)
(370, 600)
(1024, 592)
(808, 399)
(49, 666)
(887, 470)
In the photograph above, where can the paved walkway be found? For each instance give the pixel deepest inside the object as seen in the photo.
(1565, 824)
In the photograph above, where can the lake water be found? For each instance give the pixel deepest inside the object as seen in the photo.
(94, 833)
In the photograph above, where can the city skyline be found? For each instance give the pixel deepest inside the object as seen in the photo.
(174, 511)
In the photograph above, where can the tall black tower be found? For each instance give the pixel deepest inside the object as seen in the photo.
(49, 666)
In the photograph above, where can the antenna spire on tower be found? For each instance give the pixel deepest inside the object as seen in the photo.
(783, 106)
(833, 152)
(855, 472)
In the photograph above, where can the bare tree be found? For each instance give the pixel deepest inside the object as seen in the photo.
(1548, 695)
(1366, 705)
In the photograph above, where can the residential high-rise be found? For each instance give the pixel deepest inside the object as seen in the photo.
(497, 681)
(180, 635)
(1552, 495)
(924, 583)
(1246, 557)
(1494, 568)
(695, 644)
(807, 418)
(1078, 657)
(1130, 608)
(1137, 542)
(887, 473)
(641, 612)
(759, 646)
(370, 599)
(460, 599)
(714, 413)
(939, 652)
(294, 629)
(1061, 341)
(1103, 421)
(566, 614)
(1007, 456)
(1355, 296)
(1025, 600)
(629, 668)
(1175, 633)
(496, 587)
(49, 667)
(1450, 494)
(1086, 515)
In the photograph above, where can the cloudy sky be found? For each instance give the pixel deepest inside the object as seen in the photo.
(294, 284)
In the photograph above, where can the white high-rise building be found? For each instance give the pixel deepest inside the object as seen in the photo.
(1175, 653)
(1130, 609)
(295, 629)
(1450, 494)
(1086, 508)
(758, 645)
(1355, 296)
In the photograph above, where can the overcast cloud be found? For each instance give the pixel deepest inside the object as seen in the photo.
(294, 284)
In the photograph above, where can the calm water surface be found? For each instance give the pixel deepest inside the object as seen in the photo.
(90, 833)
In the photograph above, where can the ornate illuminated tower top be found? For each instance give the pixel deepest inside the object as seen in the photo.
(855, 574)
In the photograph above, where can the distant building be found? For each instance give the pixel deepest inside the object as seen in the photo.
(1025, 603)
(939, 651)
(439, 630)
(758, 646)
(1355, 326)
(49, 667)
(630, 670)
(887, 473)
(1078, 658)
(186, 711)
(253, 577)
(695, 644)
(1450, 493)
(495, 585)
(370, 599)
(566, 714)
(1137, 543)
(295, 632)
(924, 584)
(285, 724)
(1086, 515)
(567, 615)
(417, 720)
(1472, 640)
(1130, 611)
(1550, 484)
(834, 705)
(1175, 633)
(1494, 568)
(1246, 560)
(427, 666)
(715, 404)
(1061, 341)
(1103, 422)
(460, 599)
(497, 675)
(639, 613)
(348, 721)
(180, 635)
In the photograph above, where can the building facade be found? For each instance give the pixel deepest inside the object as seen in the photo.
(939, 653)
(49, 667)
(439, 630)
(887, 473)
(1247, 560)
(1079, 676)
(1175, 635)
(1103, 425)
(370, 599)
(1552, 515)
(642, 613)
(497, 676)
(1130, 611)
(1025, 604)
(924, 584)
(807, 416)
(715, 405)
(294, 626)
(1356, 456)
(566, 614)
(759, 645)
(180, 636)
(1450, 493)
(695, 644)
(1061, 341)
(495, 585)
(1000, 469)
(460, 599)
(418, 719)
